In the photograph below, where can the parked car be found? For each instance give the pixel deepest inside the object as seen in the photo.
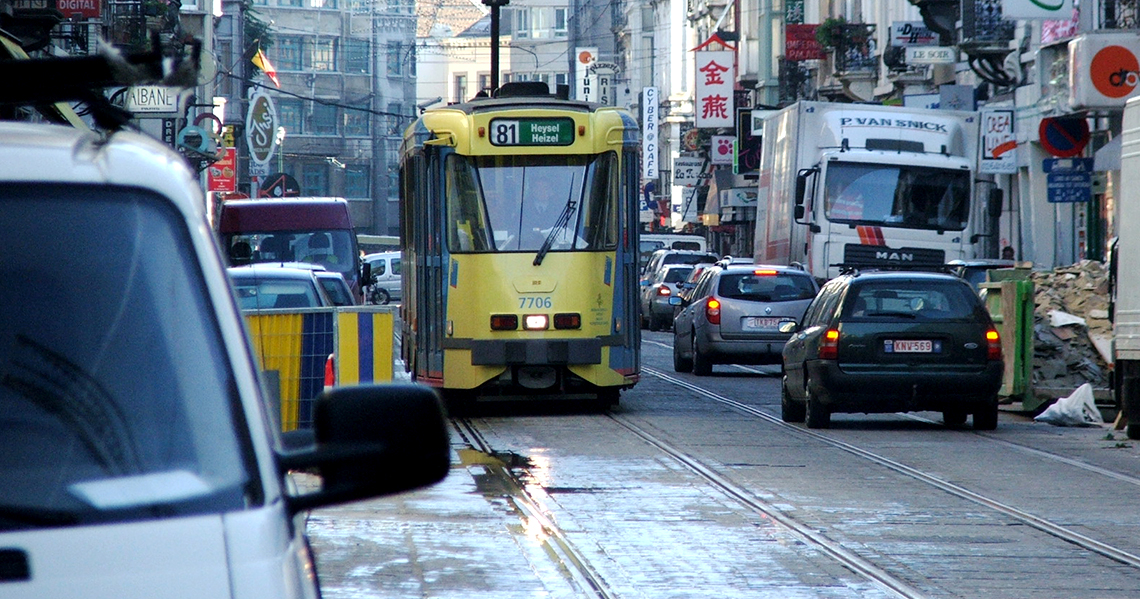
(734, 313)
(656, 311)
(974, 271)
(269, 286)
(890, 342)
(663, 257)
(386, 286)
(336, 288)
(140, 456)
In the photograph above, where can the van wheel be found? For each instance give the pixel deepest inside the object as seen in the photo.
(790, 410)
(815, 413)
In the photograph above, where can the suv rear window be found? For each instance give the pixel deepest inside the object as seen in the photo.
(765, 288)
(677, 274)
(927, 300)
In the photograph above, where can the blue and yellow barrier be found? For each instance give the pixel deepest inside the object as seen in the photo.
(294, 345)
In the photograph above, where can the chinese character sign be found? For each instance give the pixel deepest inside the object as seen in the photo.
(715, 78)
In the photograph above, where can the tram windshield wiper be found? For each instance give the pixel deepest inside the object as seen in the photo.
(563, 220)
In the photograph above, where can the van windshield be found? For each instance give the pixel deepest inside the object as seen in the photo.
(116, 398)
(910, 197)
(332, 248)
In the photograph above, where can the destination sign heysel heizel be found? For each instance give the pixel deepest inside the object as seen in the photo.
(532, 132)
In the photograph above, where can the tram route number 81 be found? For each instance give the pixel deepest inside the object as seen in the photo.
(531, 303)
(505, 133)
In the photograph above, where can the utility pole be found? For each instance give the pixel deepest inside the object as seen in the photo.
(495, 5)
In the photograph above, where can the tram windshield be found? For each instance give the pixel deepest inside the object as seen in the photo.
(519, 203)
(897, 196)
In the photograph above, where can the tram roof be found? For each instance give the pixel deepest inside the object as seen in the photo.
(528, 102)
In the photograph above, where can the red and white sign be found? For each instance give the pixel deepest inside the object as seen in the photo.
(1103, 69)
(999, 144)
(800, 43)
(715, 78)
(88, 9)
(221, 175)
(720, 152)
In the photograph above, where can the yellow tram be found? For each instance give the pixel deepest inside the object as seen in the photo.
(519, 232)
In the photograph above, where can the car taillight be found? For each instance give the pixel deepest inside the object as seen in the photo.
(764, 272)
(829, 345)
(664, 291)
(712, 310)
(330, 372)
(993, 345)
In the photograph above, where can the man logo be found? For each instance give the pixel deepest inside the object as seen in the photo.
(1114, 71)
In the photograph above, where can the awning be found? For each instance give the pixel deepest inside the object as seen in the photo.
(1107, 158)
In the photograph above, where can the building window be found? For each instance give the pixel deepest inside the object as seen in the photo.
(395, 119)
(522, 22)
(560, 79)
(315, 179)
(323, 3)
(358, 181)
(356, 123)
(290, 113)
(484, 82)
(357, 56)
(288, 56)
(323, 55)
(395, 58)
(560, 22)
(460, 87)
(324, 119)
(297, 3)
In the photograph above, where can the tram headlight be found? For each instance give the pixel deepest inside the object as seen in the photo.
(504, 322)
(536, 322)
(568, 320)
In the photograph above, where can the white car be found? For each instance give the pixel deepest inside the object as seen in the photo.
(140, 456)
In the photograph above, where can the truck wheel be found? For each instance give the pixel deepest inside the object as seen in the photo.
(816, 414)
(986, 416)
(790, 410)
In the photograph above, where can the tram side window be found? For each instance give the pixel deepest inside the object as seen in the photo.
(467, 227)
(599, 219)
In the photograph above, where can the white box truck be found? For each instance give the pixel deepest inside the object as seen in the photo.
(868, 185)
(1124, 275)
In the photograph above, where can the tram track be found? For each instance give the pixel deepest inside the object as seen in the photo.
(574, 565)
(1042, 524)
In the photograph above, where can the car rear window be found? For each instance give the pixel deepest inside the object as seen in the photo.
(260, 295)
(677, 275)
(765, 287)
(688, 258)
(928, 300)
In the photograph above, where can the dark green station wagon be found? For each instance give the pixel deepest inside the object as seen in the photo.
(893, 341)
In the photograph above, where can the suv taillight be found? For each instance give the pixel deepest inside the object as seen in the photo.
(712, 310)
(664, 291)
(829, 345)
(993, 345)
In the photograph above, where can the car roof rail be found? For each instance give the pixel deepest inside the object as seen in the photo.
(82, 78)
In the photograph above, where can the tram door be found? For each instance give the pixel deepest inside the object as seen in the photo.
(433, 301)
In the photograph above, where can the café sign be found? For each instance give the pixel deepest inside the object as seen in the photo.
(261, 128)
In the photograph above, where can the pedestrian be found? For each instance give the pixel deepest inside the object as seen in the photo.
(1007, 253)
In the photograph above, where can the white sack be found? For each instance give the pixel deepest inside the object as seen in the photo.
(1078, 409)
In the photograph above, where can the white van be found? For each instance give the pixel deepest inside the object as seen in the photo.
(141, 456)
(651, 242)
(387, 285)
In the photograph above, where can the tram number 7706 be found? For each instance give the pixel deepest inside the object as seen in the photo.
(532, 302)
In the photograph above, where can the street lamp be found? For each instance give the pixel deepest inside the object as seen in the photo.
(280, 138)
(495, 6)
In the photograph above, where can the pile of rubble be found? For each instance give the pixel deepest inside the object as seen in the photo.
(1072, 333)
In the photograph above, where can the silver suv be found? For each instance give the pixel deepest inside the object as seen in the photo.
(734, 313)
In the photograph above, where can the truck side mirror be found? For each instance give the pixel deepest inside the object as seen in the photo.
(799, 212)
(801, 191)
(994, 204)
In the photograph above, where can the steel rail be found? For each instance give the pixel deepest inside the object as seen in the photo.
(1042, 524)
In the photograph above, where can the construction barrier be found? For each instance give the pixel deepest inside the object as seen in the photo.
(1009, 297)
(293, 348)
